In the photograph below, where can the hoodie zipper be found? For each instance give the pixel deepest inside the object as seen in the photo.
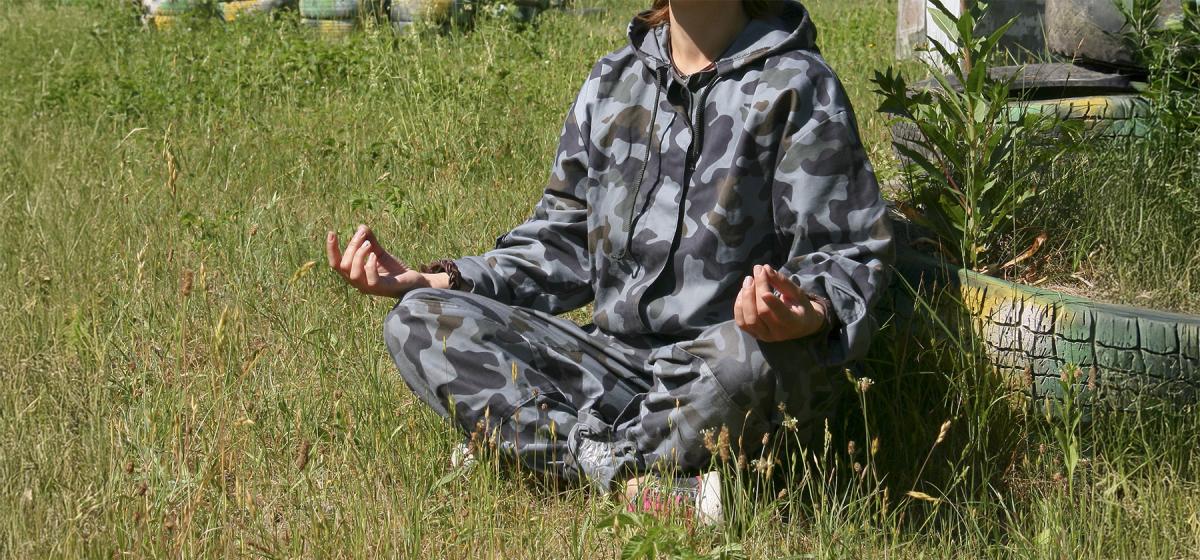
(696, 126)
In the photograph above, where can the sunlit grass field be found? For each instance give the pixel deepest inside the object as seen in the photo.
(183, 377)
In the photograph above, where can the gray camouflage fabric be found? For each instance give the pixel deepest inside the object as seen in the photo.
(655, 214)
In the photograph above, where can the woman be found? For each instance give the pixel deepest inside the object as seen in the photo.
(711, 197)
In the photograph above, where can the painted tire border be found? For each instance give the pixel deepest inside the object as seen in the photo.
(1129, 358)
(331, 9)
(1104, 116)
(234, 9)
(403, 13)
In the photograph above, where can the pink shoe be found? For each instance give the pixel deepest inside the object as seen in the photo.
(695, 497)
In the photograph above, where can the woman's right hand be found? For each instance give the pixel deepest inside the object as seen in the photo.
(369, 268)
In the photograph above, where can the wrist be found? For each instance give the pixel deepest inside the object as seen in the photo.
(443, 275)
(824, 315)
(437, 280)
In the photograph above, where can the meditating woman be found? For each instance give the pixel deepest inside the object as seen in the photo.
(711, 197)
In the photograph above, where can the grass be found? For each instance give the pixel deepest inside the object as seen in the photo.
(1126, 225)
(183, 380)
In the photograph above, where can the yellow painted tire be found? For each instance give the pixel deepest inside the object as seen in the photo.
(162, 22)
(234, 9)
(405, 12)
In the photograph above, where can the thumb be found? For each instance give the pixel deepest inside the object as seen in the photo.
(385, 259)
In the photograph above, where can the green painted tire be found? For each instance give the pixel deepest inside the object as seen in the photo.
(1106, 116)
(331, 28)
(1129, 357)
(1109, 116)
(1106, 104)
(171, 7)
(403, 13)
(330, 9)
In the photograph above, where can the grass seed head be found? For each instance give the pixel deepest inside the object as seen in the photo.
(723, 444)
(185, 282)
(865, 384)
(710, 442)
(943, 432)
(917, 495)
(302, 455)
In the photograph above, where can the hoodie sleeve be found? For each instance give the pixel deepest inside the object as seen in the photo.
(833, 222)
(544, 263)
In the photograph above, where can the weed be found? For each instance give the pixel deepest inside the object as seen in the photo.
(971, 177)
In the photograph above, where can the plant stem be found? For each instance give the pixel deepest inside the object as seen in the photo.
(963, 7)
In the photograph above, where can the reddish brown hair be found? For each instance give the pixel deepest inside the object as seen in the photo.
(660, 11)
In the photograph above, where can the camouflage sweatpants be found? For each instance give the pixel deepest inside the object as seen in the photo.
(580, 405)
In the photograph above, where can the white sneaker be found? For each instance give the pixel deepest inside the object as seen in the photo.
(695, 497)
(462, 457)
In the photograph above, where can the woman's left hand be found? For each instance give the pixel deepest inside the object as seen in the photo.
(772, 308)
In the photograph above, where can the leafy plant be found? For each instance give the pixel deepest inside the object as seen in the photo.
(1066, 418)
(1170, 51)
(648, 537)
(969, 178)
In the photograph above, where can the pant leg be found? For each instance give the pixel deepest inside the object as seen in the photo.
(519, 377)
(725, 378)
(579, 405)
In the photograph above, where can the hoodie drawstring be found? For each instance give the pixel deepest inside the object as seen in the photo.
(660, 76)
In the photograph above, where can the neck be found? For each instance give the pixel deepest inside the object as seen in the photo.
(702, 29)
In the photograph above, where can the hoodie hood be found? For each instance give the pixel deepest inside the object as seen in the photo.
(790, 30)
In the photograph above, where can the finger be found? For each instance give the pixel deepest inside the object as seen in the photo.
(332, 253)
(389, 262)
(792, 293)
(370, 236)
(372, 270)
(745, 302)
(780, 319)
(762, 288)
(352, 247)
(754, 315)
(359, 262)
(771, 324)
(386, 260)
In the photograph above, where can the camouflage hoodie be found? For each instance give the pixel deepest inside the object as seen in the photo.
(656, 213)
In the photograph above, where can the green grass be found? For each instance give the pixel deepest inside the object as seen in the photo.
(182, 381)
(1125, 223)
